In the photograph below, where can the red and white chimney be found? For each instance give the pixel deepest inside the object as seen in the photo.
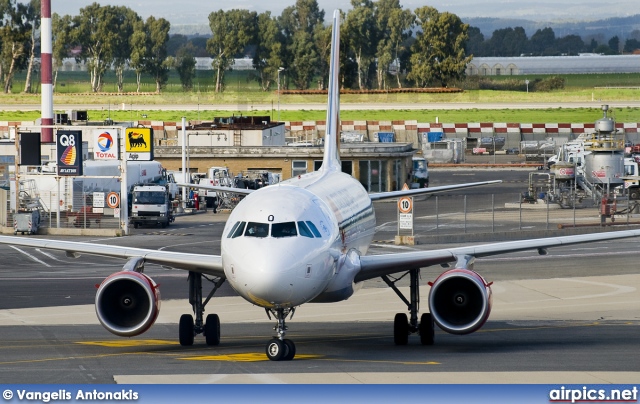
(46, 45)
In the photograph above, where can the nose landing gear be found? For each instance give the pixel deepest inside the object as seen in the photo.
(279, 348)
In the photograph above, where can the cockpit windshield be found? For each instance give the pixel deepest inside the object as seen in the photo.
(255, 229)
(286, 229)
(276, 230)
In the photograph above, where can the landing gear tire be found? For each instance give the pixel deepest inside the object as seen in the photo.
(401, 329)
(212, 329)
(291, 350)
(276, 349)
(426, 329)
(186, 330)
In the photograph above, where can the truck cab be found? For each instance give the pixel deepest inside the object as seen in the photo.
(419, 173)
(151, 205)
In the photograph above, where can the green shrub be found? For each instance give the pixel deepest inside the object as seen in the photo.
(486, 83)
(549, 84)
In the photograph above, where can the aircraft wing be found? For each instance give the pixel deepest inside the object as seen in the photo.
(373, 266)
(202, 263)
(218, 188)
(422, 191)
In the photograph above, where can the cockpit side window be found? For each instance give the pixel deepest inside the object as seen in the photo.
(237, 230)
(313, 228)
(255, 229)
(304, 230)
(286, 229)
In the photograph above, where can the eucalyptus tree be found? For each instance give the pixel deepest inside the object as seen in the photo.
(438, 54)
(543, 42)
(185, 64)
(268, 57)
(508, 42)
(231, 31)
(32, 16)
(299, 24)
(138, 44)
(15, 32)
(62, 43)
(394, 28)
(322, 40)
(126, 19)
(362, 37)
(94, 31)
(155, 62)
(474, 44)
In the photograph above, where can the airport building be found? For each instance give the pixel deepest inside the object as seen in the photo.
(522, 65)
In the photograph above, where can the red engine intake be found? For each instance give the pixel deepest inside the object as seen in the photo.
(460, 301)
(127, 303)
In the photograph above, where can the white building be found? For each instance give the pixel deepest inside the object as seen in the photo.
(586, 63)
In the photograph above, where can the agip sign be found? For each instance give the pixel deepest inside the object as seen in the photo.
(138, 143)
(69, 152)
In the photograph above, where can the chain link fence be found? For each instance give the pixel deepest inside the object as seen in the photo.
(60, 202)
(508, 213)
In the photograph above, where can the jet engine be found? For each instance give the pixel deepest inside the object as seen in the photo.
(127, 303)
(460, 301)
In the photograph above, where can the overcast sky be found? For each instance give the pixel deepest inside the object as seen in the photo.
(196, 11)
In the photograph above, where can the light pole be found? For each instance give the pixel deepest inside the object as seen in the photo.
(279, 70)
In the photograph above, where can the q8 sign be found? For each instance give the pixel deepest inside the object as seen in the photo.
(69, 152)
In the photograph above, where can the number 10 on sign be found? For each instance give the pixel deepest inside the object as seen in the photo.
(405, 214)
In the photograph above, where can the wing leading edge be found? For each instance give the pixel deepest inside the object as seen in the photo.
(373, 266)
(218, 188)
(423, 191)
(201, 263)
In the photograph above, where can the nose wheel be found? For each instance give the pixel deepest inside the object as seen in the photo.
(279, 348)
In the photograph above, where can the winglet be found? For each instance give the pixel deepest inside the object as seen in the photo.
(331, 158)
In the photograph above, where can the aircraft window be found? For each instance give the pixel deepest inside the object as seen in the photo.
(314, 229)
(237, 230)
(286, 229)
(304, 230)
(257, 229)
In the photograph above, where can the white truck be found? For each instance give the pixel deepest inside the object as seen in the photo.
(151, 205)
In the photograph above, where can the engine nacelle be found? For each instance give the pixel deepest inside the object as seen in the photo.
(127, 303)
(460, 301)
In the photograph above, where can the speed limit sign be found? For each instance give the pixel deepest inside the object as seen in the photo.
(405, 205)
(113, 200)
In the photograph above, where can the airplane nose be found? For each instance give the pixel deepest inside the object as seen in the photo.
(272, 287)
(265, 278)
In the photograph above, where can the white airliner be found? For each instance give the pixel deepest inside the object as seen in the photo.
(301, 241)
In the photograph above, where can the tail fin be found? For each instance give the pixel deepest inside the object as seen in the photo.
(331, 158)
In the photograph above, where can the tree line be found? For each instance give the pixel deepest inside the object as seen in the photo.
(377, 37)
(514, 42)
(382, 45)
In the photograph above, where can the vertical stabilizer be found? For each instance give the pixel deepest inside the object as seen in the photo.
(331, 159)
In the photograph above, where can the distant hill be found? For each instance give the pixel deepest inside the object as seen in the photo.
(620, 26)
(190, 29)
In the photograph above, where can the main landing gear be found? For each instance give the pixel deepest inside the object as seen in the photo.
(403, 326)
(279, 348)
(188, 328)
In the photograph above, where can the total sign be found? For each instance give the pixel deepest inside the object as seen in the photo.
(105, 144)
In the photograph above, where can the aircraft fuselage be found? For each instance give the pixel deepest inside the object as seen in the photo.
(284, 245)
